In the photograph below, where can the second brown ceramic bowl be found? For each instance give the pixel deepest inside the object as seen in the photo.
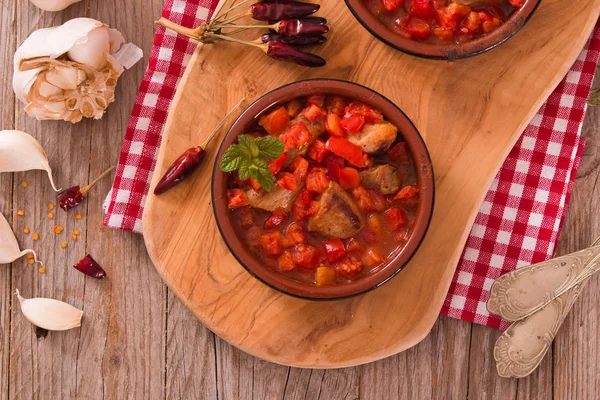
(276, 280)
(448, 52)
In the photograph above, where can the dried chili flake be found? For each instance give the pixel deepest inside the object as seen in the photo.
(90, 267)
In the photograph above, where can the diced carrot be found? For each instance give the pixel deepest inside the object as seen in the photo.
(392, 5)
(269, 243)
(300, 168)
(313, 113)
(395, 218)
(333, 125)
(317, 180)
(354, 246)
(316, 99)
(288, 181)
(285, 262)
(372, 258)
(349, 267)
(306, 256)
(349, 178)
(295, 136)
(317, 151)
(276, 165)
(295, 232)
(255, 185)
(236, 198)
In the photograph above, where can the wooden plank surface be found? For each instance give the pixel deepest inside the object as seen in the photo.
(138, 341)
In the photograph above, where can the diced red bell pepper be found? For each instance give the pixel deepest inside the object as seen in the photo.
(346, 149)
(372, 258)
(295, 232)
(288, 181)
(286, 262)
(300, 168)
(516, 3)
(317, 151)
(413, 27)
(349, 267)
(450, 16)
(363, 200)
(301, 205)
(306, 256)
(336, 105)
(255, 185)
(354, 246)
(333, 125)
(334, 171)
(275, 122)
(352, 123)
(422, 9)
(317, 180)
(392, 5)
(277, 217)
(334, 250)
(244, 217)
(316, 99)
(236, 198)
(349, 178)
(294, 108)
(276, 165)
(409, 196)
(379, 201)
(295, 136)
(373, 231)
(400, 153)
(269, 243)
(395, 218)
(313, 113)
(369, 114)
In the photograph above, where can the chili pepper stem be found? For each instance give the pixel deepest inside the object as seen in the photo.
(230, 9)
(87, 188)
(194, 33)
(231, 39)
(220, 125)
(235, 17)
(271, 26)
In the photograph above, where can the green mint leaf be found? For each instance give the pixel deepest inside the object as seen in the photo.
(233, 158)
(244, 172)
(270, 148)
(244, 141)
(260, 172)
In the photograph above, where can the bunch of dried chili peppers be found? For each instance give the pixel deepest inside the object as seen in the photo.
(288, 22)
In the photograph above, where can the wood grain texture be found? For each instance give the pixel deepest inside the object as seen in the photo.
(132, 319)
(459, 108)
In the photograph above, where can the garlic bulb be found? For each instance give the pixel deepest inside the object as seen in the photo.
(9, 248)
(50, 314)
(53, 5)
(70, 71)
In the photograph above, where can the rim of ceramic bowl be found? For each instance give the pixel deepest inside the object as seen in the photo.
(362, 284)
(448, 52)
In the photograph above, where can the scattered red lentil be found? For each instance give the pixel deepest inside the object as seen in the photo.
(78, 216)
(76, 231)
(35, 236)
(20, 213)
(57, 229)
(41, 270)
(51, 215)
(26, 230)
(50, 206)
(63, 245)
(74, 236)
(30, 260)
(24, 183)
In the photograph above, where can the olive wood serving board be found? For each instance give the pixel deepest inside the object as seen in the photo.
(470, 113)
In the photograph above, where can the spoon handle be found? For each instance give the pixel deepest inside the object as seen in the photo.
(524, 291)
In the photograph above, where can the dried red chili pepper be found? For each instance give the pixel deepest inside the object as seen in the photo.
(76, 195)
(293, 40)
(90, 267)
(285, 52)
(311, 26)
(187, 163)
(282, 9)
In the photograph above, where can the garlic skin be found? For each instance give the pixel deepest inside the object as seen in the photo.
(50, 314)
(53, 5)
(71, 71)
(20, 151)
(9, 248)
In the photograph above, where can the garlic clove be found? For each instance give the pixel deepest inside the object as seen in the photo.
(92, 48)
(53, 5)
(9, 248)
(63, 77)
(50, 314)
(21, 152)
(46, 89)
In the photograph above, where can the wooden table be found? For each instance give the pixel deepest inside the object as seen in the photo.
(137, 340)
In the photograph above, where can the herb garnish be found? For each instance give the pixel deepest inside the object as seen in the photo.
(249, 157)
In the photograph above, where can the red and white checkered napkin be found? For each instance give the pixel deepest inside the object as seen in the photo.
(518, 223)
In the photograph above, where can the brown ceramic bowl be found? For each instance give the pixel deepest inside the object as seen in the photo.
(449, 52)
(423, 166)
